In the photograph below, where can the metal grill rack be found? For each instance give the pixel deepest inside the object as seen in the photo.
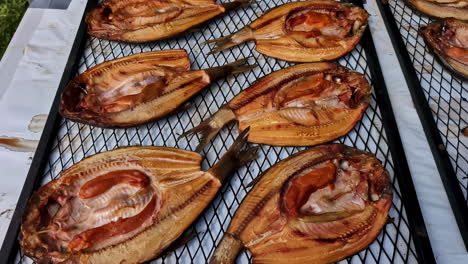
(403, 240)
(440, 98)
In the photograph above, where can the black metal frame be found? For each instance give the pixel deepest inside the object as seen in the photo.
(441, 156)
(412, 210)
(423, 245)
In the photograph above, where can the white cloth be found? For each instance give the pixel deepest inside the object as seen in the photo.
(30, 72)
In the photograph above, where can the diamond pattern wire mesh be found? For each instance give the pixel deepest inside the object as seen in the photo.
(445, 93)
(76, 141)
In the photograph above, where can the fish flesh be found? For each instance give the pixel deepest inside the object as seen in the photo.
(137, 89)
(149, 20)
(308, 31)
(123, 206)
(448, 39)
(302, 105)
(442, 8)
(320, 205)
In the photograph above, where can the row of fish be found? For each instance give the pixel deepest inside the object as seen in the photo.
(128, 205)
(447, 38)
(299, 31)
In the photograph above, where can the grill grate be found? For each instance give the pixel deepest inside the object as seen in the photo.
(75, 141)
(441, 100)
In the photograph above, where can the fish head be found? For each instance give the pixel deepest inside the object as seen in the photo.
(336, 188)
(317, 26)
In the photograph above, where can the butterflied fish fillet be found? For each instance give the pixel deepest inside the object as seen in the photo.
(137, 89)
(306, 31)
(123, 206)
(448, 39)
(320, 205)
(148, 20)
(442, 8)
(302, 105)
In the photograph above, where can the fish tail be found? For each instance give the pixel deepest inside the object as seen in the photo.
(227, 250)
(237, 66)
(232, 40)
(210, 127)
(236, 156)
(237, 4)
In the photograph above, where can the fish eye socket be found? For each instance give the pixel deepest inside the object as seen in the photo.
(107, 12)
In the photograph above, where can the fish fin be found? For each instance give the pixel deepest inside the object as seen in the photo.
(237, 66)
(210, 127)
(248, 155)
(235, 157)
(232, 40)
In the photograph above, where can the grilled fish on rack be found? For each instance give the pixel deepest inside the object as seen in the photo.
(317, 206)
(302, 105)
(148, 20)
(442, 8)
(123, 206)
(448, 39)
(307, 31)
(138, 88)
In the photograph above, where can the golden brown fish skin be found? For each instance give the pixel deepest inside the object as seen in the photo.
(446, 38)
(302, 105)
(273, 235)
(290, 32)
(173, 177)
(142, 21)
(137, 89)
(442, 8)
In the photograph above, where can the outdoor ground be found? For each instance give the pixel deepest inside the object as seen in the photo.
(11, 12)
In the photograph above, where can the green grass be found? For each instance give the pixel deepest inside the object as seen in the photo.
(11, 12)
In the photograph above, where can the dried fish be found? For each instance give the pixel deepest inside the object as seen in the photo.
(148, 20)
(318, 206)
(302, 105)
(306, 31)
(448, 39)
(138, 89)
(442, 8)
(123, 206)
